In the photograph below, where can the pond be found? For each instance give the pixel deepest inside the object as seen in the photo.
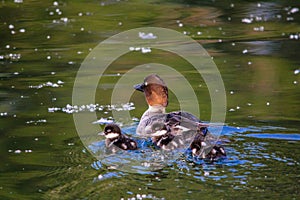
(253, 44)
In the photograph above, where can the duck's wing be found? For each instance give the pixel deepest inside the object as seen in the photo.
(185, 121)
(152, 125)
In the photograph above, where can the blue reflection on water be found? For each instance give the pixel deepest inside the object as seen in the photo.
(241, 154)
(278, 136)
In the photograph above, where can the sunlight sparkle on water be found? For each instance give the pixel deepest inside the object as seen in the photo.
(59, 83)
(93, 107)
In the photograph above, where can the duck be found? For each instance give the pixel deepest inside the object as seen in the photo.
(174, 129)
(115, 138)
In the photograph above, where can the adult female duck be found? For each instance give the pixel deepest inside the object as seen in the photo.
(174, 129)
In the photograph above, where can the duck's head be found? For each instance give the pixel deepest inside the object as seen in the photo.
(112, 131)
(155, 90)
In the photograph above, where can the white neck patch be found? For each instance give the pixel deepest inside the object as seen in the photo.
(112, 135)
(157, 109)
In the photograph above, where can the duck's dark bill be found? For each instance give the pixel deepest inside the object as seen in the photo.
(139, 87)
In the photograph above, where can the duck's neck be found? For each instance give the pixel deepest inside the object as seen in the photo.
(154, 110)
(157, 109)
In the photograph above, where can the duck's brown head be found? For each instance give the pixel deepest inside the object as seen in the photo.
(155, 90)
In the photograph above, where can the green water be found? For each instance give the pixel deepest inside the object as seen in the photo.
(254, 44)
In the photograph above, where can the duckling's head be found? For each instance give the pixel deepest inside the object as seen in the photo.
(155, 90)
(112, 131)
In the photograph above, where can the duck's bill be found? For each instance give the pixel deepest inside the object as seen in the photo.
(111, 135)
(139, 87)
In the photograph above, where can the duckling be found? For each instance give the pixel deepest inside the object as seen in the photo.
(115, 137)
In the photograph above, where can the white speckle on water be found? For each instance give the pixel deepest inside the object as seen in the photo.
(147, 36)
(18, 151)
(268, 103)
(71, 62)
(11, 26)
(249, 104)
(64, 19)
(231, 110)
(146, 50)
(48, 57)
(93, 107)
(260, 28)
(7, 46)
(81, 29)
(295, 82)
(18, 1)
(48, 37)
(103, 121)
(245, 51)
(297, 71)
(80, 14)
(199, 33)
(294, 10)
(22, 30)
(13, 32)
(231, 92)
(55, 3)
(142, 49)
(100, 176)
(120, 23)
(238, 107)
(48, 84)
(249, 63)
(3, 114)
(247, 20)
(180, 24)
(54, 109)
(258, 5)
(294, 37)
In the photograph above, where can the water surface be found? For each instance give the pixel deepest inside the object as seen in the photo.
(255, 45)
